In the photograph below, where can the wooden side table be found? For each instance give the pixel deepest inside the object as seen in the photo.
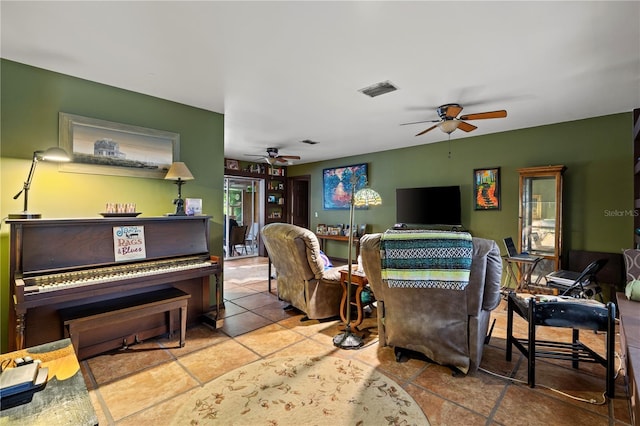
(361, 281)
(342, 238)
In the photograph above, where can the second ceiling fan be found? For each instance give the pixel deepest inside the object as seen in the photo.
(449, 120)
(274, 157)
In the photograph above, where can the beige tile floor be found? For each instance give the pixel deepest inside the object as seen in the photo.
(144, 384)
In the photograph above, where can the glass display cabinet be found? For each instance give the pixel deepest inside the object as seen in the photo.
(540, 215)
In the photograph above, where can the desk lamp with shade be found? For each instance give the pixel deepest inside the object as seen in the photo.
(53, 154)
(363, 198)
(179, 172)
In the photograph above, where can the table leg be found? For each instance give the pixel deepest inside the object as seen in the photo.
(343, 302)
(575, 352)
(611, 342)
(531, 356)
(359, 306)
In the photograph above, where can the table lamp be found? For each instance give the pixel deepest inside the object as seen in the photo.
(179, 172)
(53, 154)
(363, 198)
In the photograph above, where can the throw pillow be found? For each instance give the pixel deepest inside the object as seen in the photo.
(325, 260)
(632, 291)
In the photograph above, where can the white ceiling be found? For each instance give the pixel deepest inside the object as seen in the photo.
(286, 71)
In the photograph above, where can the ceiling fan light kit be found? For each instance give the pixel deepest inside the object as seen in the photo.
(448, 126)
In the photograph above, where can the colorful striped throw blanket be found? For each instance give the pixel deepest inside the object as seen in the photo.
(426, 259)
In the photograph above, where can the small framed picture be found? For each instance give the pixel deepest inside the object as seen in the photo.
(193, 206)
(232, 165)
(486, 188)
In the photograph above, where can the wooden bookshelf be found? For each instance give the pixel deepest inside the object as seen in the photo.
(275, 185)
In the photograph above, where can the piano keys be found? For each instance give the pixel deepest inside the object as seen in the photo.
(61, 263)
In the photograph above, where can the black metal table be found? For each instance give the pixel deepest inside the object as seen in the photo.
(585, 314)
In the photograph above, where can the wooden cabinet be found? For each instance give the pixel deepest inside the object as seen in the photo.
(540, 215)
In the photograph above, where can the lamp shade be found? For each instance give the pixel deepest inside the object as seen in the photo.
(448, 126)
(366, 197)
(179, 171)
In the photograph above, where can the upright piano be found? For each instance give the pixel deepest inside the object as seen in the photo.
(62, 263)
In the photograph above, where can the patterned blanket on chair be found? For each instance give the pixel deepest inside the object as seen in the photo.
(426, 259)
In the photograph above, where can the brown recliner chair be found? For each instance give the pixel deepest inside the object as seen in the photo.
(302, 278)
(447, 326)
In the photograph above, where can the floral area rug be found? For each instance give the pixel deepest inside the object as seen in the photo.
(301, 391)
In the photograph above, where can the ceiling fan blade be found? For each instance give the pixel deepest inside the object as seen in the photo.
(482, 115)
(453, 111)
(425, 131)
(466, 126)
(418, 122)
(289, 157)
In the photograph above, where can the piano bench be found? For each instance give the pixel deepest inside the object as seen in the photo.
(82, 318)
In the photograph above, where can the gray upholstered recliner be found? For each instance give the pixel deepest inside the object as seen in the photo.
(303, 280)
(448, 326)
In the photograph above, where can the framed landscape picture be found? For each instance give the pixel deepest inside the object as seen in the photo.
(486, 189)
(337, 183)
(108, 148)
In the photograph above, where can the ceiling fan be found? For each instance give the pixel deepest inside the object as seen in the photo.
(449, 120)
(272, 156)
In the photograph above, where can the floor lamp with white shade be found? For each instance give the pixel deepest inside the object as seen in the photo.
(363, 198)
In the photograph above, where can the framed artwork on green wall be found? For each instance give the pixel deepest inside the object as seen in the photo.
(108, 148)
(337, 184)
(486, 188)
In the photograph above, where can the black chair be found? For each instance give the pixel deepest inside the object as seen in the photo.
(584, 285)
(238, 238)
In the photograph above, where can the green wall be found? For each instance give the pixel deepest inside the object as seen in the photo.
(30, 103)
(598, 193)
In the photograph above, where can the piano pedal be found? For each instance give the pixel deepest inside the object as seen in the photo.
(124, 344)
(137, 339)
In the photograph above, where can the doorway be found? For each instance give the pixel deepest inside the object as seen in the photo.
(299, 196)
(242, 210)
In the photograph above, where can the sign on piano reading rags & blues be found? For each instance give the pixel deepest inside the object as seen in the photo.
(128, 243)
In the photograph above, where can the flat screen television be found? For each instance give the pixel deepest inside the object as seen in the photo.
(435, 205)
